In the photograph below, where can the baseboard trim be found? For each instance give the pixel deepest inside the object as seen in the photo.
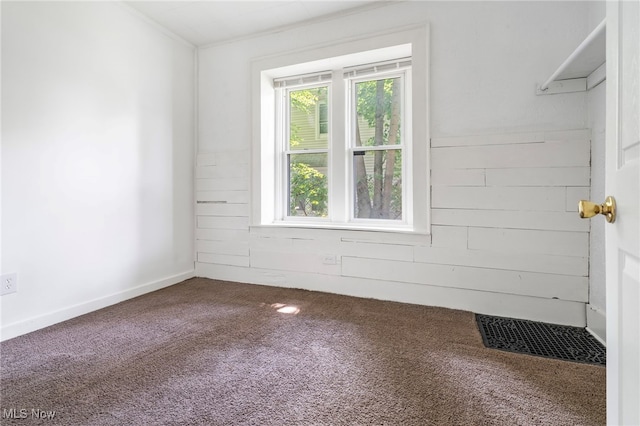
(554, 311)
(19, 328)
(597, 323)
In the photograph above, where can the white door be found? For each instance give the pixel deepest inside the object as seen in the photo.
(623, 236)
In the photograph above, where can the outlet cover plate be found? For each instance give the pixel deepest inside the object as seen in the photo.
(8, 284)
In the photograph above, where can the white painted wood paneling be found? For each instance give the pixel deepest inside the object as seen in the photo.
(512, 138)
(574, 195)
(545, 263)
(524, 241)
(309, 245)
(333, 247)
(222, 209)
(281, 245)
(220, 222)
(233, 197)
(501, 231)
(376, 251)
(300, 262)
(563, 287)
(449, 236)
(539, 176)
(223, 171)
(477, 140)
(223, 259)
(567, 135)
(222, 184)
(206, 159)
(234, 248)
(223, 157)
(553, 221)
(222, 235)
(458, 177)
(217, 234)
(500, 198)
(565, 154)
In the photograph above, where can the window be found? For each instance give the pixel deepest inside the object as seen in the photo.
(371, 154)
(334, 141)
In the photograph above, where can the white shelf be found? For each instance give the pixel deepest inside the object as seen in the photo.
(583, 69)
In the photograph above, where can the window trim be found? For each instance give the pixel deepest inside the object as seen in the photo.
(368, 48)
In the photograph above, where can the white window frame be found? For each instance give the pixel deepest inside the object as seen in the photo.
(411, 41)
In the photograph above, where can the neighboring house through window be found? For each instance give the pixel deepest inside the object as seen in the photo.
(323, 118)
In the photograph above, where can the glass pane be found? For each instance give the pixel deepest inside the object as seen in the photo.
(308, 187)
(378, 106)
(307, 120)
(378, 184)
(323, 118)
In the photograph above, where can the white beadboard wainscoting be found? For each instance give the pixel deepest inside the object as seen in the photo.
(506, 238)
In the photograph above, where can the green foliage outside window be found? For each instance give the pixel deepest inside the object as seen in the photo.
(308, 191)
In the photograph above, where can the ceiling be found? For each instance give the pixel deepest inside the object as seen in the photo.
(216, 21)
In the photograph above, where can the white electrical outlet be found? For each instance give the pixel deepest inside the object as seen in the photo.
(8, 284)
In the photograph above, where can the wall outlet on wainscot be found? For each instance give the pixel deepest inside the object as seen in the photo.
(8, 284)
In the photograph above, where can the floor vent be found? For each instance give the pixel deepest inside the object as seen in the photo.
(541, 339)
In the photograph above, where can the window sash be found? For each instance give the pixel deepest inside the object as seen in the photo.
(283, 136)
(390, 73)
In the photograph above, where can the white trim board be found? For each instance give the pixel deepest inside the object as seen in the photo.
(597, 323)
(19, 328)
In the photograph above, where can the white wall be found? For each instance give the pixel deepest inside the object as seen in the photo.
(97, 159)
(506, 238)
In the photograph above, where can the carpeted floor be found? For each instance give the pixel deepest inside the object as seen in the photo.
(206, 352)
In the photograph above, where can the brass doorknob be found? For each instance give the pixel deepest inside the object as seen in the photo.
(589, 209)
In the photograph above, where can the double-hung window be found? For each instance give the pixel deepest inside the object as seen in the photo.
(341, 136)
(344, 160)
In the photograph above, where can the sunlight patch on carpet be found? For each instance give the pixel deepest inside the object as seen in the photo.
(285, 309)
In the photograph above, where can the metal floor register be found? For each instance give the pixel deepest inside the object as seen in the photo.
(541, 339)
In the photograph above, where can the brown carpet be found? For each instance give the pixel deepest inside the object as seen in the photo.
(217, 353)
